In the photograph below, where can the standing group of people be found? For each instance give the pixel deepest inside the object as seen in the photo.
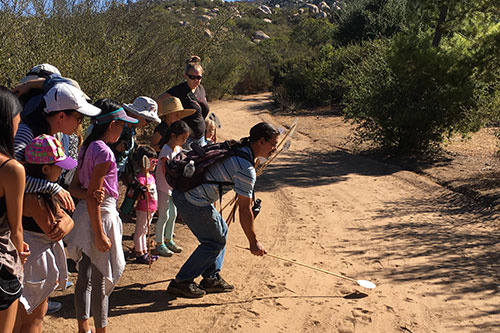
(46, 165)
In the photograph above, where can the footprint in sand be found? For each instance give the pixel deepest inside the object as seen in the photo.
(362, 315)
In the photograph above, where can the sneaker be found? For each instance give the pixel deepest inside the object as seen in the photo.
(173, 247)
(216, 285)
(53, 307)
(163, 251)
(187, 289)
(144, 259)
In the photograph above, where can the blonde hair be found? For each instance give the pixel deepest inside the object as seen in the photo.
(194, 62)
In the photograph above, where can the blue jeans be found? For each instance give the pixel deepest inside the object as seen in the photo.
(210, 229)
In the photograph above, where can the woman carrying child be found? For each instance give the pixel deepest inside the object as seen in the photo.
(45, 224)
(13, 250)
(146, 207)
(96, 241)
(176, 135)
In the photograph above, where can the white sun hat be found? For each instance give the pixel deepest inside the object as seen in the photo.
(144, 107)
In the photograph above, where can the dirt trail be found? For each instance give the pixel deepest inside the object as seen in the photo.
(434, 262)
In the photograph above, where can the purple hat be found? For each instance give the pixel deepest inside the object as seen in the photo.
(46, 149)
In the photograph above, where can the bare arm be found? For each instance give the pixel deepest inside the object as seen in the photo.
(76, 190)
(13, 181)
(247, 223)
(101, 241)
(155, 141)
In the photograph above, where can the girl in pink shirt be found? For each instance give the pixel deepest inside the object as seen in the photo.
(146, 206)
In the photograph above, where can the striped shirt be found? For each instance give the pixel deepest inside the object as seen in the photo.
(234, 169)
(23, 138)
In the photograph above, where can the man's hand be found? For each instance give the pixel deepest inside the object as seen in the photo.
(66, 200)
(257, 248)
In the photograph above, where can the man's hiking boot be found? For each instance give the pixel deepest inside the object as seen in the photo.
(187, 289)
(216, 285)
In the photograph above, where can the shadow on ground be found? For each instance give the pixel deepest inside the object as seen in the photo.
(449, 241)
(309, 169)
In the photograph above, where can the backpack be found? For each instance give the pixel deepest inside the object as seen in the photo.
(203, 157)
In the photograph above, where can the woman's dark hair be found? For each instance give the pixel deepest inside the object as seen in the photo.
(9, 108)
(144, 150)
(106, 105)
(194, 62)
(262, 130)
(179, 127)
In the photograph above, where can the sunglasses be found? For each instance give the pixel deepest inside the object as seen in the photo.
(194, 77)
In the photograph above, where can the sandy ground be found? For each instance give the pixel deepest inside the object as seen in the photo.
(432, 251)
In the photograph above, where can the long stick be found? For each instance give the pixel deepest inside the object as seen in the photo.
(146, 164)
(363, 283)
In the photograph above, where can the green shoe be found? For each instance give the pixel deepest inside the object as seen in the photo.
(173, 247)
(163, 251)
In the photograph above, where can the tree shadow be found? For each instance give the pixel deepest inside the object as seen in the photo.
(310, 169)
(454, 243)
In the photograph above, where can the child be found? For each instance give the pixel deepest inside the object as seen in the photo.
(96, 241)
(45, 224)
(145, 206)
(210, 131)
(177, 135)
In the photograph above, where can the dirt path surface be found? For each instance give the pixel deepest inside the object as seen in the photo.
(432, 252)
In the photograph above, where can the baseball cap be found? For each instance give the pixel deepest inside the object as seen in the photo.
(42, 70)
(64, 96)
(46, 149)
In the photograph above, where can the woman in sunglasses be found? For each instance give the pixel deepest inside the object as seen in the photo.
(192, 95)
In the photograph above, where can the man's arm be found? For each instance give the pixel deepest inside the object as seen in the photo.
(247, 223)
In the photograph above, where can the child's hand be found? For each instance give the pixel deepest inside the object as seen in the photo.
(24, 253)
(99, 195)
(64, 197)
(102, 243)
(61, 229)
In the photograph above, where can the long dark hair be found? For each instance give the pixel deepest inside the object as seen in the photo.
(9, 108)
(177, 128)
(106, 105)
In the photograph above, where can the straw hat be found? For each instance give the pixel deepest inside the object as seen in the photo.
(173, 104)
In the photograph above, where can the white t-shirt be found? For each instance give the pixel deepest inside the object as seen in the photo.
(166, 154)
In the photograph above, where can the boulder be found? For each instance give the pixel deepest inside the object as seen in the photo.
(321, 15)
(207, 33)
(267, 20)
(205, 18)
(312, 8)
(264, 9)
(323, 6)
(301, 11)
(259, 36)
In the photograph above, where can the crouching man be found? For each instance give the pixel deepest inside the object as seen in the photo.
(198, 212)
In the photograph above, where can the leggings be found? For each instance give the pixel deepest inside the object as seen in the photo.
(89, 292)
(167, 213)
(141, 229)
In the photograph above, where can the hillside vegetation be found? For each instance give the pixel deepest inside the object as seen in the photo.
(409, 74)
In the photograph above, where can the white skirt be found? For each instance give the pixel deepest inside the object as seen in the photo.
(44, 271)
(80, 240)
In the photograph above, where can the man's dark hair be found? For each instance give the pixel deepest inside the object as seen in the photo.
(262, 130)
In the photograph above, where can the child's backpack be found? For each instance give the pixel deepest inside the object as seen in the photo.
(203, 157)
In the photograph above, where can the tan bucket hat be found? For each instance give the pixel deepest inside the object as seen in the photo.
(173, 104)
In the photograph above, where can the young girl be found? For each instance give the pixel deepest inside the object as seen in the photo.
(145, 206)
(210, 131)
(177, 135)
(96, 241)
(45, 224)
(13, 250)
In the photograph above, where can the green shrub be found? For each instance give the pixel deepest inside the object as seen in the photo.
(411, 96)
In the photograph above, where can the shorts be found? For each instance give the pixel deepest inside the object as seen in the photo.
(10, 288)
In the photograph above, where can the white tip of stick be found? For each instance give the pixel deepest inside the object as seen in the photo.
(145, 162)
(286, 146)
(366, 284)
